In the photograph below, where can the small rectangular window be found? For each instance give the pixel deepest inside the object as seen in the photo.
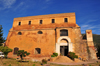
(65, 19)
(29, 23)
(15, 50)
(53, 20)
(37, 51)
(19, 23)
(40, 21)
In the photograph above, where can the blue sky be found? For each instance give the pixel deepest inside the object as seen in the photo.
(87, 11)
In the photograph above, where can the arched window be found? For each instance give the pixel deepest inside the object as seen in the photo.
(40, 32)
(37, 51)
(63, 32)
(15, 50)
(19, 33)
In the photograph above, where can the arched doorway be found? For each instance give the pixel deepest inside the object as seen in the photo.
(64, 47)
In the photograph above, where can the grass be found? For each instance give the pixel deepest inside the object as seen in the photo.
(13, 62)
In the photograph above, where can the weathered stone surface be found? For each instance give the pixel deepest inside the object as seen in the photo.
(26, 36)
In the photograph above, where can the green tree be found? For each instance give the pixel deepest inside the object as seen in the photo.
(5, 50)
(22, 54)
(1, 36)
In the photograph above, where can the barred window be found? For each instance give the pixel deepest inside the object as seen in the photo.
(63, 32)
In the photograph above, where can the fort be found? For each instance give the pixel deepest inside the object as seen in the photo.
(43, 35)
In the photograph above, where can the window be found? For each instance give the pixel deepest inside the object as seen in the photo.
(63, 32)
(53, 20)
(19, 33)
(65, 19)
(15, 50)
(40, 32)
(29, 23)
(19, 23)
(40, 21)
(37, 51)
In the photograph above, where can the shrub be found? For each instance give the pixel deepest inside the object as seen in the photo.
(44, 61)
(33, 64)
(56, 54)
(72, 55)
(9, 65)
(53, 56)
(4, 63)
(90, 65)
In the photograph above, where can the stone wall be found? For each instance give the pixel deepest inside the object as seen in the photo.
(29, 40)
(26, 37)
(80, 45)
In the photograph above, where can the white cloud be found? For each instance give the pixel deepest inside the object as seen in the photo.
(91, 27)
(46, 4)
(95, 28)
(18, 6)
(83, 26)
(6, 4)
(91, 21)
(86, 27)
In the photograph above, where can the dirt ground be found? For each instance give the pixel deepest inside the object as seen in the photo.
(63, 59)
(14, 62)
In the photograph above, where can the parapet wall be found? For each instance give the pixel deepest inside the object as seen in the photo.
(46, 19)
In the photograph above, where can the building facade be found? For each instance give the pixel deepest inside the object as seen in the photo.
(43, 35)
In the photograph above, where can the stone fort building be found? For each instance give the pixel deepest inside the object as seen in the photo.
(43, 35)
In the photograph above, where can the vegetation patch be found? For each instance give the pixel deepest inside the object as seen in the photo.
(54, 55)
(72, 55)
(44, 61)
(12, 62)
(22, 54)
(5, 50)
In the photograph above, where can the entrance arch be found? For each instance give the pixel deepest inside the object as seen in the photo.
(67, 38)
(64, 45)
